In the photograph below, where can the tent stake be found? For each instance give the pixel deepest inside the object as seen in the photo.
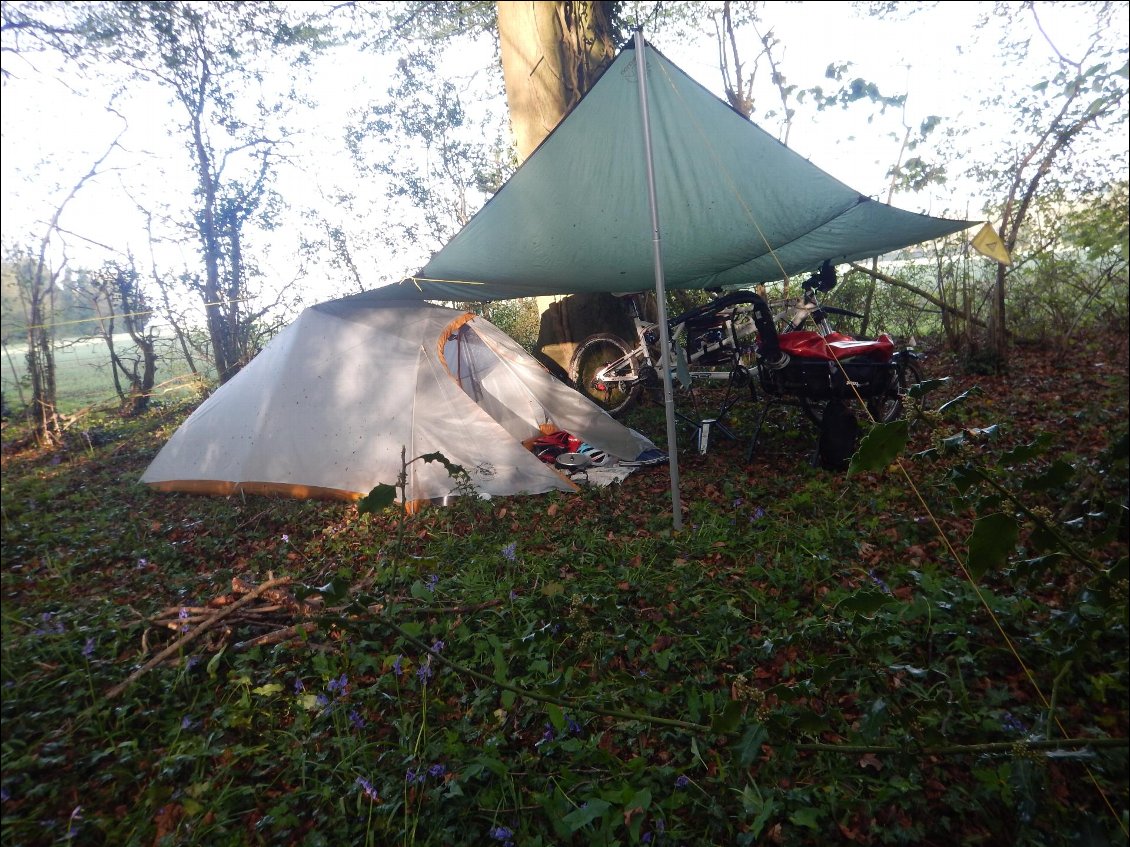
(660, 290)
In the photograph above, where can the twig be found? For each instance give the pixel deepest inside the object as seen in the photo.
(192, 635)
(277, 636)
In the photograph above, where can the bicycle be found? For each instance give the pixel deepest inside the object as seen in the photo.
(613, 374)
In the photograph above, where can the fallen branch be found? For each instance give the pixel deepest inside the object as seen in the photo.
(279, 635)
(193, 634)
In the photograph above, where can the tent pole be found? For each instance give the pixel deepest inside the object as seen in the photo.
(660, 291)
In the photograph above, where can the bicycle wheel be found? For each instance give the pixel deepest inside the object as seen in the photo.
(614, 396)
(888, 406)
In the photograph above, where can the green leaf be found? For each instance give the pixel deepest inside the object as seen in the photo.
(1056, 476)
(508, 697)
(993, 538)
(555, 716)
(865, 602)
(377, 500)
(808, 818)
(214, 662)
(1027, 451)
(921, 389)
(749, 748)
(309, 702)
(267, 690)
(586, 814)
(880, 446)
(728, 719)
(334, 591)
(452, 469)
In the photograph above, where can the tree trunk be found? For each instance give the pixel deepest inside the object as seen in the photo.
(552, 53)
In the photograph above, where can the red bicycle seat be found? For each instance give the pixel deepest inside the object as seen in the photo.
(806, 344)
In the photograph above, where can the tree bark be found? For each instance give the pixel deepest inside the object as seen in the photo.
(552, 54)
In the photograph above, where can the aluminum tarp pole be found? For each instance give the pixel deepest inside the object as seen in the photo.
(660, 291)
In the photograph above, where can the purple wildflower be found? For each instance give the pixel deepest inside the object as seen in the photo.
(438, 646)
(337, 686)
(396, 669)
(572, 726)
(186, 722)
(758, 514)
(367, 789)
(88, 648)
(502, 833)
(437, 770)
(285, 538)
(432, 582)
(142, 563)
(875, 578)
(509, 552)
(356, 720)
(50, 625)
(76, 815)
(183, 615)
(412, 775)
(682, 781)
(513, 594)
(1012, 723)
(425, 673)
(322, 700)
(5, 795)
(299, 686)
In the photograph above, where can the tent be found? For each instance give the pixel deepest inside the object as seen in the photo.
(651, 180)
(325, 409)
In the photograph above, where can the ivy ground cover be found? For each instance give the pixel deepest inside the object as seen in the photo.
(929, 653)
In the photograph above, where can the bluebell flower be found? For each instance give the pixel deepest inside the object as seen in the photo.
(285, 538)
(337, 686)
(572, 726)
(356, 720)
(437, 770)
(432, 582)
(438, 646)
(299, 687)
(396, 669)
(50, 625)
(88, 648)
(425, 673)
(367, 789)
(758, 514)
(183, 615)
(1012, 723)
(322, 700)
(510, 552)
(502, 833)
(186, 722)
(875, 578)
(142, 563)
(76, 815)
(682, 781)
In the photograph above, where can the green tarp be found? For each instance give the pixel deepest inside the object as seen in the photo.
(735, 205)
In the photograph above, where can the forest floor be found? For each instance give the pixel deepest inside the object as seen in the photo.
(934, 653)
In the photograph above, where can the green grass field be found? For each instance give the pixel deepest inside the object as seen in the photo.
(82, 373)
